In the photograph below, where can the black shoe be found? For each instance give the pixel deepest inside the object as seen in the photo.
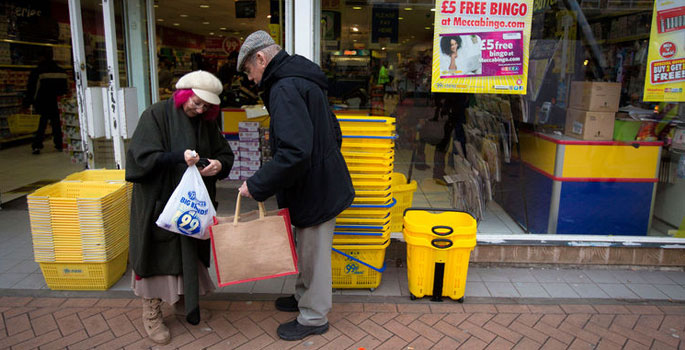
(35, 151)
(287, 304)
(293, 330)
(59, 149)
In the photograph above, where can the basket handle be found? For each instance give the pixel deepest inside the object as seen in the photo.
(435, 229)
(437, 240)
(236, 216)
(359, 261)
(437, 209)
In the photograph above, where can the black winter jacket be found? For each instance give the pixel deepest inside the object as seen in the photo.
(308, 173)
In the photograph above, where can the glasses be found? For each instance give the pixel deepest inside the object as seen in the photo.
(195, 105)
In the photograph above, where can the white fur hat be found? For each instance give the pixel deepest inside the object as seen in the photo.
(204, 84)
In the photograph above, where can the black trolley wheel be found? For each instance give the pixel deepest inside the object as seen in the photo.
(412, 296)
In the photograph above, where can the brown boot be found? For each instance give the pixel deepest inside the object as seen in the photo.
(156, 330)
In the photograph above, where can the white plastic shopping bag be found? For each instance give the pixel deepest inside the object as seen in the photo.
(189, 211)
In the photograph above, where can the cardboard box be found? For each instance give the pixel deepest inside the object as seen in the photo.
(595, 96)
(248, 126)
(588, 125)
(250, 146)
(249, 136)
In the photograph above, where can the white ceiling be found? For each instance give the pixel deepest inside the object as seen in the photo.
(203, 21)
(416, 17)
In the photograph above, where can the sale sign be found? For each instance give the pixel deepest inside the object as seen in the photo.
(665, 76)
(481, 46)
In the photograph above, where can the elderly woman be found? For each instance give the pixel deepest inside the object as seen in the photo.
(172, 135)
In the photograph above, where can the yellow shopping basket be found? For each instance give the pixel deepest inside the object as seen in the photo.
(358, 265)
(438, 256)
(404, 195)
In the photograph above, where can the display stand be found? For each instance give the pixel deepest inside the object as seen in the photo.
(581, 187)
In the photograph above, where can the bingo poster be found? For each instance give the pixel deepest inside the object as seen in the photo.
(481, 46)
(665, 77)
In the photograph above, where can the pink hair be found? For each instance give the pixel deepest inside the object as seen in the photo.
(181, 96)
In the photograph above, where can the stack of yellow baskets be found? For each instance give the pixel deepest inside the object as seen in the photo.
(79, 229)
(362, 232)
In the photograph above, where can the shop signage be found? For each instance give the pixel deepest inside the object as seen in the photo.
(384, 23)
(481, 46)
(665, 80)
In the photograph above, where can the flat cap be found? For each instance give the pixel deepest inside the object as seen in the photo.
(253, 43)
(204, 84)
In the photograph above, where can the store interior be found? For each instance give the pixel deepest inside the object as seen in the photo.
(378, 60)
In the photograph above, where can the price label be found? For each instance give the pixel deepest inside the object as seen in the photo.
(449, 6)
(189, 223)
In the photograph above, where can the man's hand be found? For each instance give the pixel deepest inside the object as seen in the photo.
(244, 191)
(212, 169)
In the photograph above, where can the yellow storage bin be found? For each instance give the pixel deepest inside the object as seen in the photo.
(438, 266)
(358, 266)
(450, 223)
(84, 276)
(404, 195)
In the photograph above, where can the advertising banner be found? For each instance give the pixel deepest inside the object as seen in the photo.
(665, 79)
(481, 46)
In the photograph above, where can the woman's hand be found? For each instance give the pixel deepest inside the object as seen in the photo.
(191, 157)
(212, 169)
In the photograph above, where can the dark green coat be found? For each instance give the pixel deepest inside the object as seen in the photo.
(155, 165)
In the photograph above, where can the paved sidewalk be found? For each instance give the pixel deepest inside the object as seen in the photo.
(383, 323)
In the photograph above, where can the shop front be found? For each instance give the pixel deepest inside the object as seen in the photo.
(584, 150)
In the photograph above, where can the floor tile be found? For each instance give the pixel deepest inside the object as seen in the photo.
(530, 290)
(33, 281)
(672, 291)
(493, 275)
(8, 280)
(629, 277)
(519, 275)
(476, 289)
(646, 291)
(601, 276)
(618, 290)
(589, 290)
(574, 276)
(559, 290)
(655, 277)
(502, 289)
(676, 276)
(547, 276)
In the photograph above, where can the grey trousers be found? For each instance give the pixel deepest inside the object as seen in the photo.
(313, 288)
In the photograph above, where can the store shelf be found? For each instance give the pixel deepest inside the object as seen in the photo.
(11, 41)
(607, 13)
(11, 105)
(28, 66)
(625, 38)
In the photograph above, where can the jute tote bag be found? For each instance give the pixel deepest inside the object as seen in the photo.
(250, 250)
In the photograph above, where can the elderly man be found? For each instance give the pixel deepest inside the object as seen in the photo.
(308, 173)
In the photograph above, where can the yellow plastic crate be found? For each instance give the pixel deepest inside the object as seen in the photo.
(361, 120)
(422, 256)
(358, 266)
(23, 123)
(79, 221)
(447, 224)
(84, 276)
(404, 195)
(98, 175)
